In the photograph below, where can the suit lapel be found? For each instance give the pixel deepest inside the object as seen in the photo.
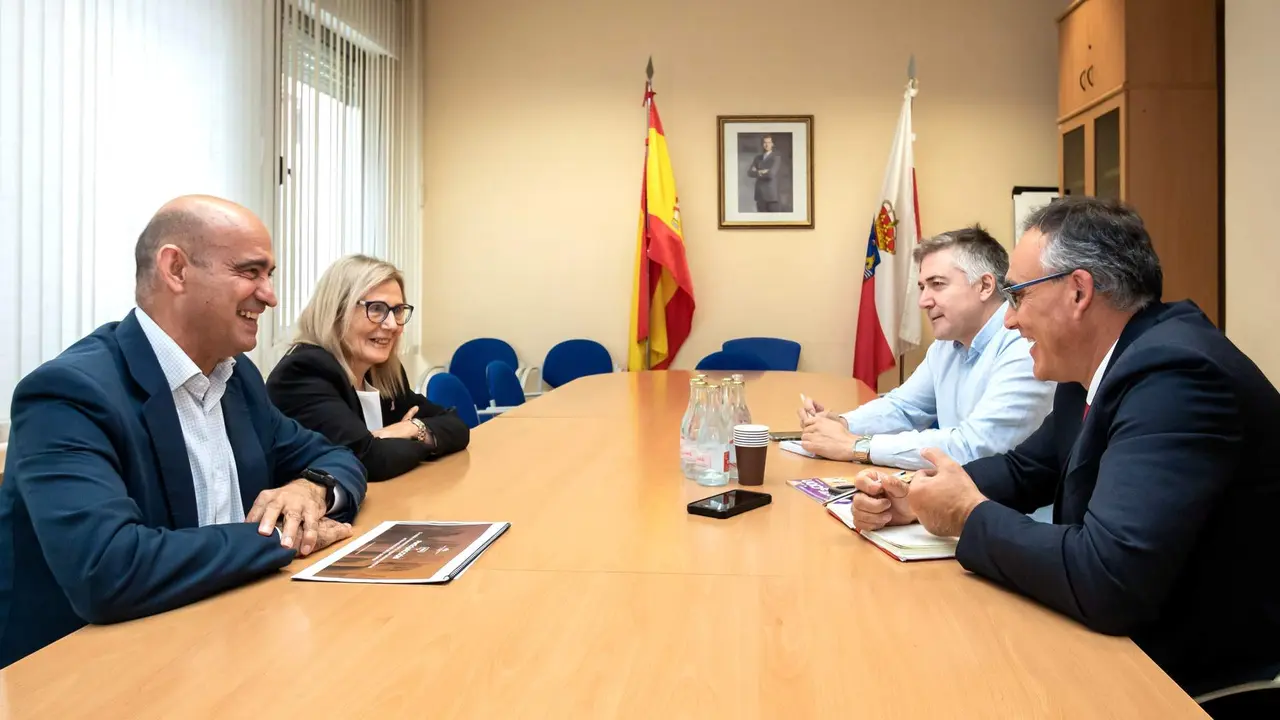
(162, 422)
(251, 465)
(1137, 325)
(1074, 457)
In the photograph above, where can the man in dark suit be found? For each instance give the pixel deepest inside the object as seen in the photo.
(1158, 458)
(146, 468)
(764, 168)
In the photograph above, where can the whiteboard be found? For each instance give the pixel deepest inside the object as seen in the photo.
(1027, 200)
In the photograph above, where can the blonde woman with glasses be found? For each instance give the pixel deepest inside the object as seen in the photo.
(343, 378)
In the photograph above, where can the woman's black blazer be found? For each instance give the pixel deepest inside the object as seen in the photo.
(311, 387)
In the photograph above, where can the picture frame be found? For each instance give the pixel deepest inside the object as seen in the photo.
(765, 187)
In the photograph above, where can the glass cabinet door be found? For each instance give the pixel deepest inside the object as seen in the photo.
(1073, 173)
(1106, 155)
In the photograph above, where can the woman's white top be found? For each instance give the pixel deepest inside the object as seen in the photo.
(371, 404)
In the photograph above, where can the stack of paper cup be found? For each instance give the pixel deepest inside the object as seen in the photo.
(751, 444)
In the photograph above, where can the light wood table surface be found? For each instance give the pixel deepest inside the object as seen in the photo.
(606, 599)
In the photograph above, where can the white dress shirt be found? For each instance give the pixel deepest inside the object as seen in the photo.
(198, 399)
(984, 399)
(1098, 373)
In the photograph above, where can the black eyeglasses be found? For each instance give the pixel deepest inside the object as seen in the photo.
(377, 311)
(1013, 293)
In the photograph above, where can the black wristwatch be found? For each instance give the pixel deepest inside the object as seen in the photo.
(323, 478)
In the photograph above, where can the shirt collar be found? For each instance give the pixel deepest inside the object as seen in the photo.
(178, 367)
(1098, 372)
(984, 336)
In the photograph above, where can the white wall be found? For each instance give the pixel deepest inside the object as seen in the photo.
(1252, 157)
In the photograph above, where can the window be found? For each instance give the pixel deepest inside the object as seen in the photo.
(305, 112)
(337, 131)
(107, 110)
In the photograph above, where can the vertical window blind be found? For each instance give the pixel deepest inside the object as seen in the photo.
(307, 112)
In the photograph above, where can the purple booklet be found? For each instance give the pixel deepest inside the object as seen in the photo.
(820, 488)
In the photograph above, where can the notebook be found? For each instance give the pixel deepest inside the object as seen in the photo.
(401, 552)
(903, 542)
(795, 447)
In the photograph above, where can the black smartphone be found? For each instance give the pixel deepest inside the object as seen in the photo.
(785, 435)
(728, 504)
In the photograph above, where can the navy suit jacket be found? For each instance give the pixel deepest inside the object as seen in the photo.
(1164, 502)
(766, 187)
(98, 519)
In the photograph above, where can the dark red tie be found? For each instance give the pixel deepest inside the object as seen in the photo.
(1086, 412)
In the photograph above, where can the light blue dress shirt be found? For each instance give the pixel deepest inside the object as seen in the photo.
(984, 398)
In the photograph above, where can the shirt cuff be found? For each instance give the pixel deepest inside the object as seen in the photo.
(887, 450)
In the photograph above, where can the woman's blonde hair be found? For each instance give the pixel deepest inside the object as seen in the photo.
(327, 317)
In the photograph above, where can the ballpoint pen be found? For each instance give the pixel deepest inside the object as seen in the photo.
(842, 496)
(902, 475)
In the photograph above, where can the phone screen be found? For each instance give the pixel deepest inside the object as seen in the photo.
(720, 503)
(728, 501)
(785, 435)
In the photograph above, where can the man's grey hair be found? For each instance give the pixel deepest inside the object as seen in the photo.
(973, 251)
(1106, 239)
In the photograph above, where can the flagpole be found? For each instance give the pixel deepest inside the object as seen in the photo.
(645, 291)
(911, 85)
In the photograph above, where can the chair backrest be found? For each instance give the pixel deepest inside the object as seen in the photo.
(778, 353)
(446, 390)
(572, 359)
(1257, 702)
(504, 386)
(470, 360)
(725, 360)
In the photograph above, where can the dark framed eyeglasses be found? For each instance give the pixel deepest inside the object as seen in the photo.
(1013, 293)
(377, 311)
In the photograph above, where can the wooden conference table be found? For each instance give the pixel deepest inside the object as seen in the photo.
(606, 599)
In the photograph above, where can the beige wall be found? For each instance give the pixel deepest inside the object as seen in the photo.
(1252, 129)
(535, 141)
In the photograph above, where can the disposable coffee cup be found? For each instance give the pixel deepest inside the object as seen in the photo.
(751, 445)
(751, 435)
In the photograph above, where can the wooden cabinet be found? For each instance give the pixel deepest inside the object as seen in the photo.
(1138, 121)
(1092, 150)
(1090, 52)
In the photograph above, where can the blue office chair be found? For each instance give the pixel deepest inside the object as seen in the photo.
(778, 354)
(446, 390)
(504, 386)
(572, 359)
(470, 360)
(724, 360)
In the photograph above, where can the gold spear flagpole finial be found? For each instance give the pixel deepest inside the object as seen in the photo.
(648, 71)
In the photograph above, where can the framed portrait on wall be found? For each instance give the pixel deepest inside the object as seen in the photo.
(766, 171)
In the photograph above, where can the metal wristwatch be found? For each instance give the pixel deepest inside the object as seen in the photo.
(862, 449)
(422, 429)
(323, 479)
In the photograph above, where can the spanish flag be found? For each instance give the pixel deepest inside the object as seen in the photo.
(662, 291)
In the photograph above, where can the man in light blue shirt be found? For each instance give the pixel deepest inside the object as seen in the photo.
(973, 396)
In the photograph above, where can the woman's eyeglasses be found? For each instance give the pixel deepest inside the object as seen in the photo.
(377, 311)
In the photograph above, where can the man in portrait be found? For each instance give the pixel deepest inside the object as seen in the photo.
(765, 168)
